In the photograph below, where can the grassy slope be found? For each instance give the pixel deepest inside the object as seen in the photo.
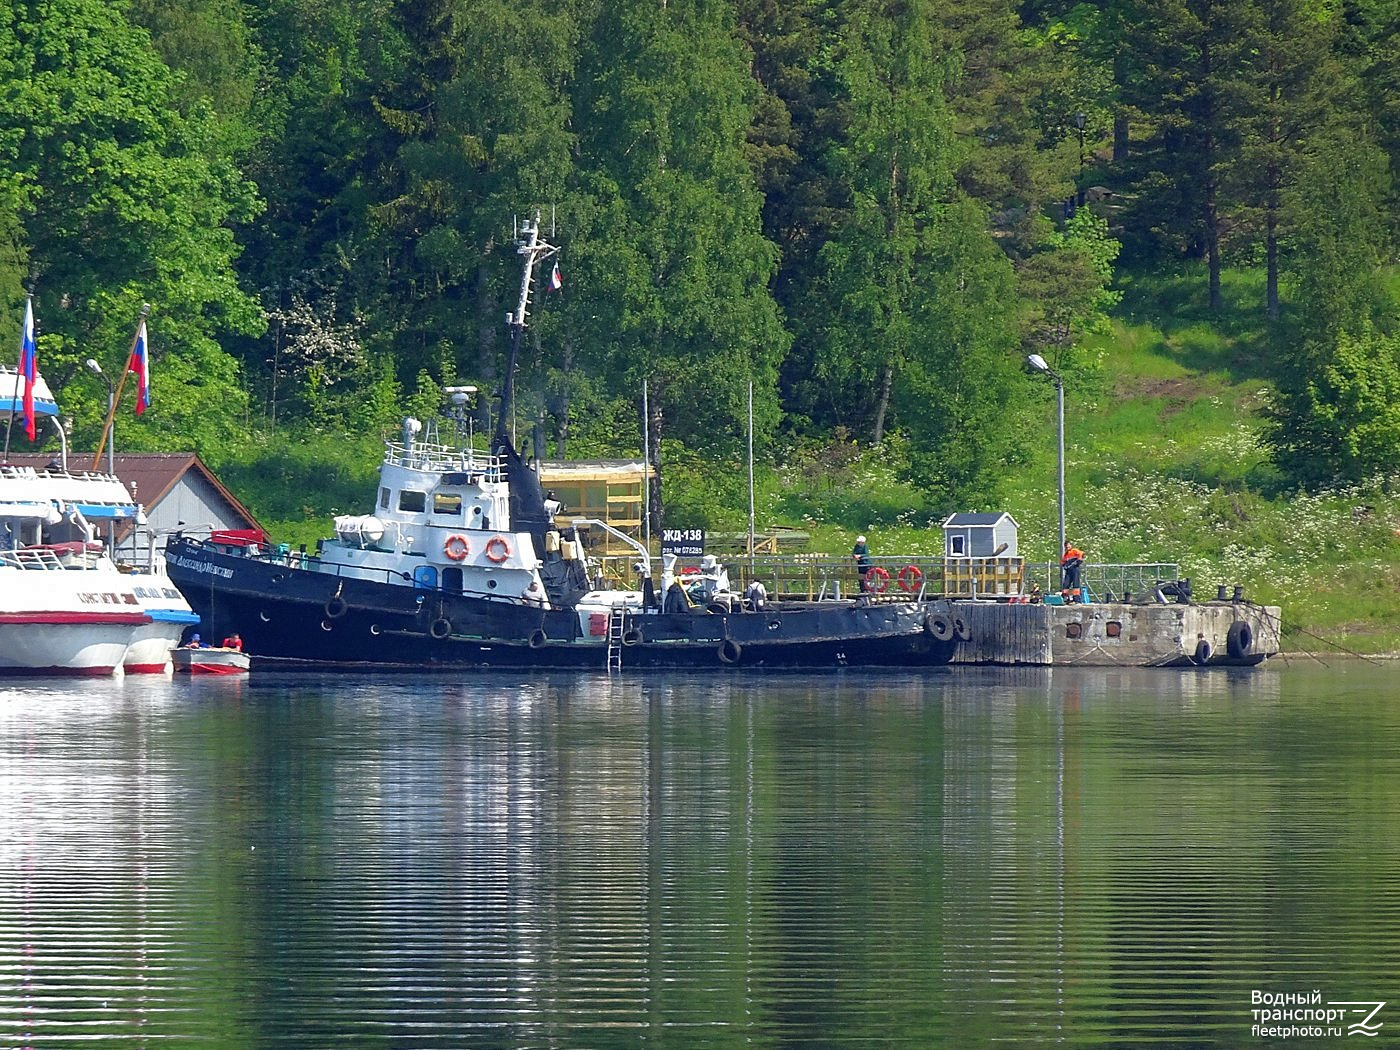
(1164, 464)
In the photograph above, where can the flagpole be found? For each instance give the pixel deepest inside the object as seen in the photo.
(117, 397)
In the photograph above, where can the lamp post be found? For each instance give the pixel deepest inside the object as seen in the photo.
(1080, 121)
(110, 434)
(1038, 363)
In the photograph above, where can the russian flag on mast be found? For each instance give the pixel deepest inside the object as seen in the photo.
(140, 365)
(556, 280)
(28, 365)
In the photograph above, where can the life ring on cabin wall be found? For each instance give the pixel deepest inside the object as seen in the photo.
(877, 579)
(456, 547)
(497, 549)
(911, 577)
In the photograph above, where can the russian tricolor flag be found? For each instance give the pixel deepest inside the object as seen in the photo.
(556, 279)
(140, 366)
(28, 366)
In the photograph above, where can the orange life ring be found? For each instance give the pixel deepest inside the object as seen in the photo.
(877, 579)
(497, 549)
(456, 547)
(910, 577)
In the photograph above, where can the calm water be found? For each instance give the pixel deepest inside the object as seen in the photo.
(953, 858)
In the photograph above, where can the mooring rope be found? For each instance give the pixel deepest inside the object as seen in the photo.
(1277, 623)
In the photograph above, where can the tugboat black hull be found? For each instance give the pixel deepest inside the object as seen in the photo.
(295, 617)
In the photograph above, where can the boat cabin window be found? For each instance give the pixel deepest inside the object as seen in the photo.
(384, 497)
(413, 501)
(447, 503)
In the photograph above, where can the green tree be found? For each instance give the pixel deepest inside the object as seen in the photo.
(671, 243)
(960, 395)
(1368, 44)
(1183, 88)
(1344, 419)
(1290, 90)
(1344, 310)
(1016, 91)
(1067, 290)
(123, 199)
(897, 159)
(210, 45)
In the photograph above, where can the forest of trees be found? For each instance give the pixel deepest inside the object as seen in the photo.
(871, 210)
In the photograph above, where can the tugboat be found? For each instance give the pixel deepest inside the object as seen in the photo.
(460, 564)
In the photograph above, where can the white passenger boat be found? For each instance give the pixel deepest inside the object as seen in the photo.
(66, 607)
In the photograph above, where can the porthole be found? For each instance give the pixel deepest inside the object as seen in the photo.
(1074, 630)
(1113, 628)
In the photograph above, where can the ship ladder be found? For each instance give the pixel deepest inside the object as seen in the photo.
(617, 627)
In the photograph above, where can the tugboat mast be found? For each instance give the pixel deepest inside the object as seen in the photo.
(532, 249)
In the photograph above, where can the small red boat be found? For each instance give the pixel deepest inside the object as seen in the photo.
(221, 660)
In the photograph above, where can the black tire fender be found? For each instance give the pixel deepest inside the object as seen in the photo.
(939, 626)
(1239, 640)
(335, 607)
(730, 651)
(537, 638)
(1202, 655)
(440, 628)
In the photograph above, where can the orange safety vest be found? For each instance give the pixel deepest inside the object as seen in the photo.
(1072, 554)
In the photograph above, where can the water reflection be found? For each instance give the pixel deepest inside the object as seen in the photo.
(954, 858)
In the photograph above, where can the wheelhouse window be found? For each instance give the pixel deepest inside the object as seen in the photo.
(413, 502)
(384, 497)
(447, 503)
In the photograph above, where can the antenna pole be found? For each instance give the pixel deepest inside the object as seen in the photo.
(531, 249)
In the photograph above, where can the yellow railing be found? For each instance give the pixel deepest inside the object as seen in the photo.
(827, 575)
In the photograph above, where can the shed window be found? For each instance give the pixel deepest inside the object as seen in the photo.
(413, 501)
(957, 545)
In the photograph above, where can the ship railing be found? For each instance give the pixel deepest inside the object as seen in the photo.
(48, 557)
(817, 576)
(424, 456)
(11, 470)
(814, 577)
(284, 554)
(1108, 581)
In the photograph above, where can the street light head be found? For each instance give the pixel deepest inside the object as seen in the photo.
(93, 366)
(1038, 363)
(1080, 120)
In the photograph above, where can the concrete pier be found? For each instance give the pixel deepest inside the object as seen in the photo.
(1116, 634)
